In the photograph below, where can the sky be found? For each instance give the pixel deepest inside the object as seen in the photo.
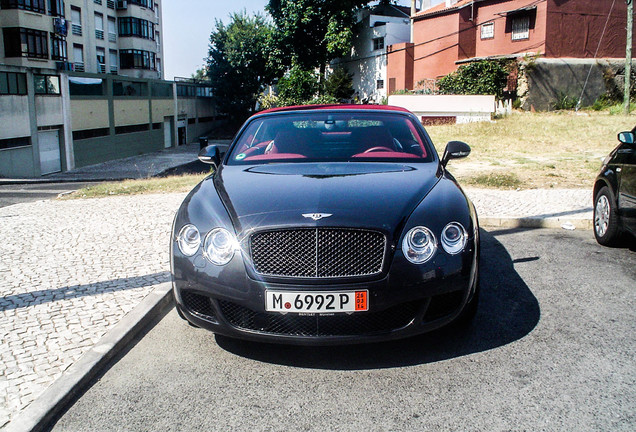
(187, 25)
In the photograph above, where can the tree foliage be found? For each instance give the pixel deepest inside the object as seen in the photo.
(339, 84)
(238, 66)
(481, 77)
(297, 87)
(310, 33)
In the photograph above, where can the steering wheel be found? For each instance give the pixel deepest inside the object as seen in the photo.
(378, 149)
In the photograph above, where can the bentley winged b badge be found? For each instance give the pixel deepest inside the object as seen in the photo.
(316, 216)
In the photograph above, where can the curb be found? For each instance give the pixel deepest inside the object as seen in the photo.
(535, 222)
(56, 397)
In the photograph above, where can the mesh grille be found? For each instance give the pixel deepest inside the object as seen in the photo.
(198, 304)
(319, 253)
(362, 323)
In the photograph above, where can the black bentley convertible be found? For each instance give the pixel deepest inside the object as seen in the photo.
(326, 225)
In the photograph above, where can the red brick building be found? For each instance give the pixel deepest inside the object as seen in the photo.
(458, 31)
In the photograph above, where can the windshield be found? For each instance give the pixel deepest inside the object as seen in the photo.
(331, 137)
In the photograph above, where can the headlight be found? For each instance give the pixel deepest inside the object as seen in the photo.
(454, 238)
(419, 245)
(189, 240)
(219, 246)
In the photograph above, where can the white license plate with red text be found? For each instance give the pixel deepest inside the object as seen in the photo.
(316, 302)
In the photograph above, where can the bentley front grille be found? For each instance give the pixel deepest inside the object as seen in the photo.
(318, 252)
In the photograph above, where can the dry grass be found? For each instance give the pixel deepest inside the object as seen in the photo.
(540, 150)
(183, 183)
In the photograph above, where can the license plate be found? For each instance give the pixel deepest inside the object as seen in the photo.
(316, 302)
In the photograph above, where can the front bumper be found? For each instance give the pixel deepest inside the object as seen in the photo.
(399, 306)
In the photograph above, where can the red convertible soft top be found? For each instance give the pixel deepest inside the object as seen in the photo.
(336, 106)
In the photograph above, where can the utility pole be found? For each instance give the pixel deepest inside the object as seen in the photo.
(628, 54)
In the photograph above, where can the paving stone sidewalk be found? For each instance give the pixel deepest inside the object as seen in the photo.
(70, 270)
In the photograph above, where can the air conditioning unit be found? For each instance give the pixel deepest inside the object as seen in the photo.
(122, 5)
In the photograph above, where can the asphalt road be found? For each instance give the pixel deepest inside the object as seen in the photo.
(20, 193)
(553, 348)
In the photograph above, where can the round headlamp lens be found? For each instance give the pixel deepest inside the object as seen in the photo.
(419, 245)
(219, 246)
(189, 240)
(454, 238)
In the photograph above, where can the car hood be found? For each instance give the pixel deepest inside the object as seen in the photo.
(371, 195)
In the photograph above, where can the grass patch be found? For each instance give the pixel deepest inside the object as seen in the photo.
(531, 145)
(496, 180)
(183, 183)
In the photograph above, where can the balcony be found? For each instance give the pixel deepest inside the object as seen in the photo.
(110, 4)
(99, 34)
(101, 68)
(78, 66)
(76, 29)
(112, 37)
(114, 70)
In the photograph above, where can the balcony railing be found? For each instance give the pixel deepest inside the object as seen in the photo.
(101, 68)
(112, 37)
(114, 70)
(79, 67)
(98, 1)
(110, 4)
(99, 34)
(76, 29)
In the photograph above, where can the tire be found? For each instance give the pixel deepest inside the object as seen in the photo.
(606, 227)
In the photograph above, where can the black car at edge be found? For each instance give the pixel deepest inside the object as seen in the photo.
(615, 193)
(327, 225)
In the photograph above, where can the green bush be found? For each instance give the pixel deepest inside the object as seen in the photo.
(297, 87)
(339, 85)
(564, 102)
(481, 77)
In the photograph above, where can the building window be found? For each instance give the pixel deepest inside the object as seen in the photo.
(101, 60)
(14, 143)
(521, 28)
(47, 84)
(137, 59)
(58, 48)
(56, 8)
(142, 3)
(112, 29)
(378, 43)
(23, 42)
(13, 83)
(379, 84)
(99, 26)
(130, 88)
(30, 5)
(76, 21)
(78, 58)
(113, 61)
(137, 27)
(488, 30)
(186, 91)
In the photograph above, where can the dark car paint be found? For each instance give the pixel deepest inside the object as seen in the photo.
(618, 173)
(389, 197)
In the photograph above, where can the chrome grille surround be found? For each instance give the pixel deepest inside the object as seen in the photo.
(318, 252)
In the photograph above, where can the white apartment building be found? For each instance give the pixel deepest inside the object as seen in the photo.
(94, 36)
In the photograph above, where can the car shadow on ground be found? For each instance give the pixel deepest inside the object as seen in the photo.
(507, 312)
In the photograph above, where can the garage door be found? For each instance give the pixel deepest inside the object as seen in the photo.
(49, 142)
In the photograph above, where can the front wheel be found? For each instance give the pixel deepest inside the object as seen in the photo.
(606, 229)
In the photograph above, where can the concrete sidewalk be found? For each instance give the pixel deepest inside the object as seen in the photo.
(134, 167)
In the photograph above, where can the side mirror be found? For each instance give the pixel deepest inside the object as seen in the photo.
(210, 155)
(455, 150)
(626, 137)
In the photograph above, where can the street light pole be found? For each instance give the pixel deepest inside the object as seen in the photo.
(628, 54)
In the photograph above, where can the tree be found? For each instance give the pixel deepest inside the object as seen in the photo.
(238, 66)
(339, 84)
(200, 74)
(310, 33)
(297, 87)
